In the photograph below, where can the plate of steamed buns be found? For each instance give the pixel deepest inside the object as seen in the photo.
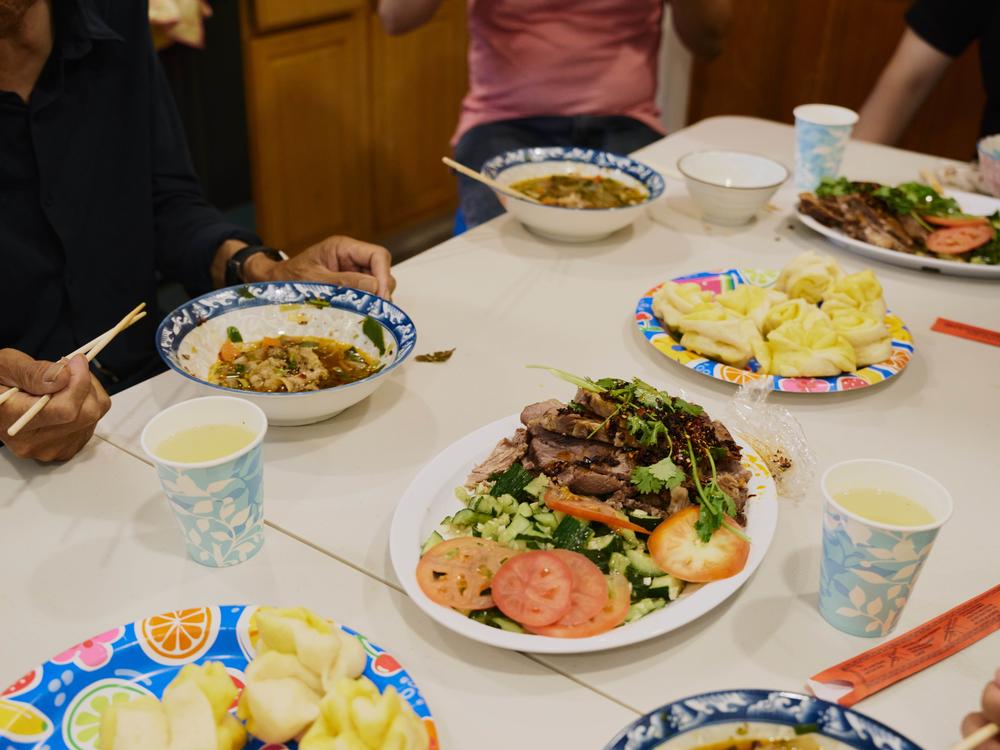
(808, 327)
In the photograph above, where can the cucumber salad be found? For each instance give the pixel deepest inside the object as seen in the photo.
(596, 513)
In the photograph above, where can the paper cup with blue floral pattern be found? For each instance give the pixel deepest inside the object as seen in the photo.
(868, 568)
(218, 504)
(821, 135)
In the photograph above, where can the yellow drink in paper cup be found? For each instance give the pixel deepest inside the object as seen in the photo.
(880, 520)
(207, 453)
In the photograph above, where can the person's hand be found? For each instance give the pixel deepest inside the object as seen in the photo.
(990, 713)
(63, 427)
(335, 260)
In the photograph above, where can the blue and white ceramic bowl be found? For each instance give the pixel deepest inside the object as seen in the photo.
(572, 224)
(716, 717)
(189, 338)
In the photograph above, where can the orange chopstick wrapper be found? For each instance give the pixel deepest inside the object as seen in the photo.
(965, 331)
(867, 673)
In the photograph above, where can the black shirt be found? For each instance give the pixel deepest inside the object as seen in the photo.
(97, 193)
(952, 25)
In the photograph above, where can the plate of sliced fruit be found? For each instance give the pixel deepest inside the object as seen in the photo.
(220, 677)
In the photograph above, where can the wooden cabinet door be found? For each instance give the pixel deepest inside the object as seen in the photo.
(270, 15)
(418, 80)
(307, 100)
(781, 53)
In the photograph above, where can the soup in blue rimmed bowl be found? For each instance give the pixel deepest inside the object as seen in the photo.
(758, 719)
(576, 220)
(301, 351)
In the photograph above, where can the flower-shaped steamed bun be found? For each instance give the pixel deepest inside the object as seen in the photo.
(721, 334)
(792, 309)
(808, 276)
(861, 291)
(809, 350)
(751, 301)
(674, 300)
(354, 716)
(300, 656)
(868, 335)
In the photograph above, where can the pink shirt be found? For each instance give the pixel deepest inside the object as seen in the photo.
(531, 58)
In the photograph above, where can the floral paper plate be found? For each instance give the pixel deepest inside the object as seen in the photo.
(57, 706)
(721, 281)
(715, 717)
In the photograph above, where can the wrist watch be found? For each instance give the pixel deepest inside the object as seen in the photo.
(236, 263)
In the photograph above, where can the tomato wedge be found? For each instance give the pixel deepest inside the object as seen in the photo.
(588, 509)
(612, 614)
(457, 573)
(675, 547)
(955, 221)
(958, 240)
(590, 589)
(533, 588)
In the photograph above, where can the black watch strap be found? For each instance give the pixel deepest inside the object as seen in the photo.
(235, 264)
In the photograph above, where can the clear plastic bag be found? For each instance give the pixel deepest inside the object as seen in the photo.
(776, 435)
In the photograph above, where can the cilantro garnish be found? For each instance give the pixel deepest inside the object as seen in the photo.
(512, 481)
(653, 479)
(373, 330)
(688, 408)
(647, 431)
(586, 383)
(714, 503)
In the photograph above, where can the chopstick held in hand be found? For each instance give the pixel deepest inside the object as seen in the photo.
(96, 347)
(976, 738)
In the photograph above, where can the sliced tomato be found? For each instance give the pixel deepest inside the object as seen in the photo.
(458, 572)
(674, 546)
(533, 588)
(589, 509)
(612, 614)
(590, 588)
(955, 221)
(958, 240)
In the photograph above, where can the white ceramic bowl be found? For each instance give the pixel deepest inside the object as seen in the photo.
(730, 187)
(189, 338)
(572, 224)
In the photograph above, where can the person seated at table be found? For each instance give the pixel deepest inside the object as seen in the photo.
(937, 32)
(560, 73)
(989, 713)
(98, 197)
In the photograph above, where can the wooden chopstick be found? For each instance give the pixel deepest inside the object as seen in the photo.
(976, 738)
(79, 350)
(931, 179)
(480, 177)
(102, 341)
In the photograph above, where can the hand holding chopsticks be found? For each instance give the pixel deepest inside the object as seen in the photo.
(91, 349)
(978, 737)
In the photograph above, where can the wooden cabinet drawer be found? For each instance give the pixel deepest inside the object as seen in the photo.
(270, 15)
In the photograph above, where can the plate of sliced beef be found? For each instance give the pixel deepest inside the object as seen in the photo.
(909, 225)
(594, 477)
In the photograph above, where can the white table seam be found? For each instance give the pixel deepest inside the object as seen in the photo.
(399, 589)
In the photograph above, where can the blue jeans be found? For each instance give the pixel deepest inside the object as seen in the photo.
(617, 134)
